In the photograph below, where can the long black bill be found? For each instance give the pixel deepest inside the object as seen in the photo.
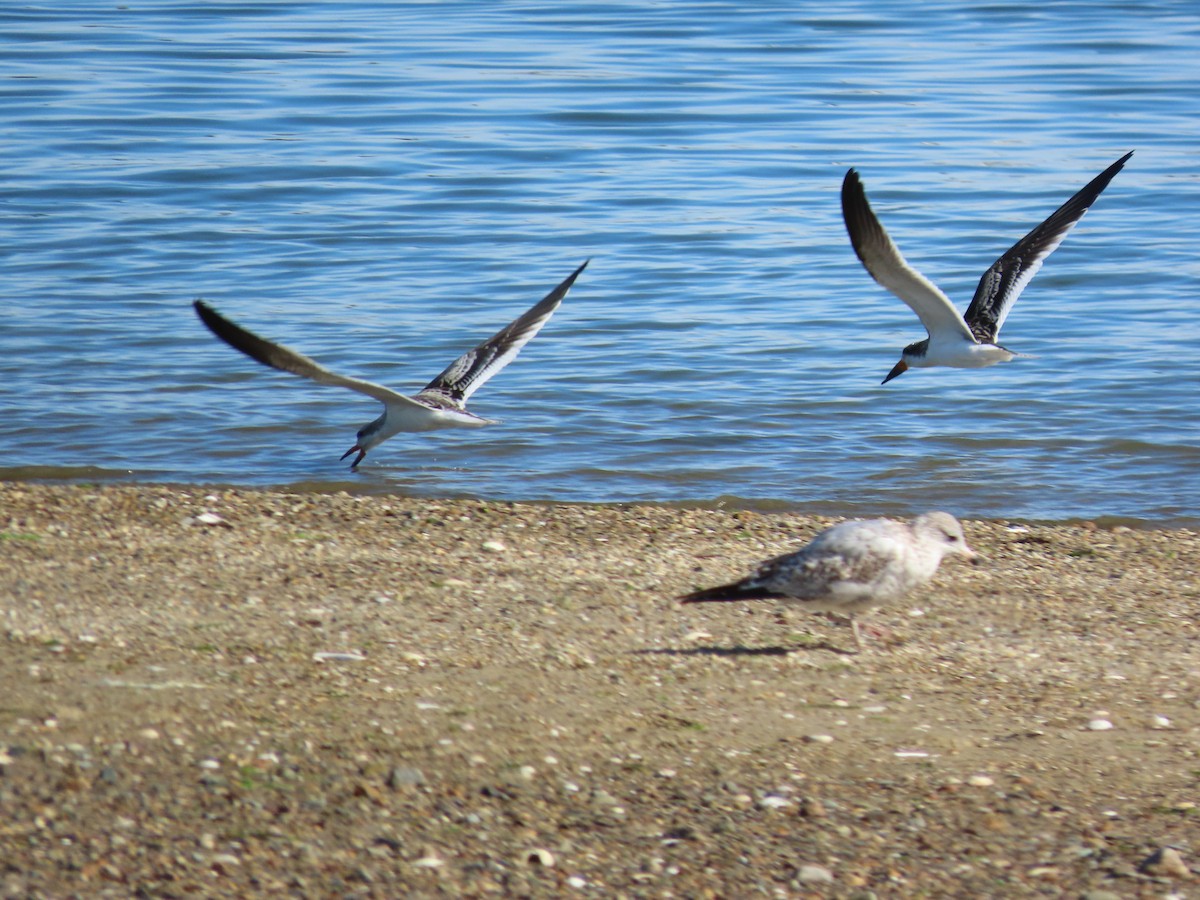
(355, 449)
(897, 370)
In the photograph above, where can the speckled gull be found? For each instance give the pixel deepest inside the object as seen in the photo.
(852, 567)
(965, 342)
(440, 404)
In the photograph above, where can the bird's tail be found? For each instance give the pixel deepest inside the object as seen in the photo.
(739, 590)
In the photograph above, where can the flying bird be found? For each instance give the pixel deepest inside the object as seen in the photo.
(440, 404)
(965, 342)
(852, 567)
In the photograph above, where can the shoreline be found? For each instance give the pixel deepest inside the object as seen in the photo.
(248, 692)
(728, 503)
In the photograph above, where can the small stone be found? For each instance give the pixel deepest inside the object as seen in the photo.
(337, 656)
(819, 738)
(1165, 861)
(208, 519)
(981, 781)
(812, 808)
(576, 882)
(814, 875)
(1160, 722)
(210, 764)
(404, 776)
(540, 857)
(1099, 725)
(771, 801)
(494, 547)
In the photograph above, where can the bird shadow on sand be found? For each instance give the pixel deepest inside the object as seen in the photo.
(744, 651)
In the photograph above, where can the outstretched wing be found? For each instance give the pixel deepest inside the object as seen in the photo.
(883, 260)
(468, 373)
(1001, 284)
(285, 359)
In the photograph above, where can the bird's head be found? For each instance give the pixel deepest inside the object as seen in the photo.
(368, 437)
(948, 531)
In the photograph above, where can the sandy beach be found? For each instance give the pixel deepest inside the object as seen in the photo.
(211, 692)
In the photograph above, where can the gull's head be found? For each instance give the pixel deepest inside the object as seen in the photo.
(368, 437)
(945, 531)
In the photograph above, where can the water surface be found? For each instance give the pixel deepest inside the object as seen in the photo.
(383, 185)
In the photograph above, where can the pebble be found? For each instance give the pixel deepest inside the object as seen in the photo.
(208, 518)
(771, 801)
(1099, 725)
(814, 875)
(819, 738)
(494, 547)
(405, 776)
(1165, 861)
(981, 781)
(337, 656)
(540, 857)
(813, 808)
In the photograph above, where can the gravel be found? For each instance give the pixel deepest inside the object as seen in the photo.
(215, 692)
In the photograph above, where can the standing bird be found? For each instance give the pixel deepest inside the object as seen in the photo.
(964, 342)
(440, 404)
(852, 567)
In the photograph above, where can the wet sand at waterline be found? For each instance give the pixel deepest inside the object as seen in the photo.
(211, 692)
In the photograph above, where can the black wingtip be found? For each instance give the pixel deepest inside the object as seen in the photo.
(729, 593)
(570, 280)
(209, 316)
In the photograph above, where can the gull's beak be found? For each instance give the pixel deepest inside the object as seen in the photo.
(899, 369)
(355, 449)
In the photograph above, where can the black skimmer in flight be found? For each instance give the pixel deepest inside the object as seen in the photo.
(440, 404)
(968, 341)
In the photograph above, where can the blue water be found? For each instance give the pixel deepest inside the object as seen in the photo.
(382, 185)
